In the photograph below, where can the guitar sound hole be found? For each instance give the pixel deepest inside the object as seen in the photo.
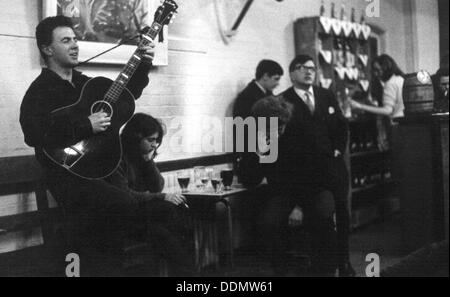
(102, 106)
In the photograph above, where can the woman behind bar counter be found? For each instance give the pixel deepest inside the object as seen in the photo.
(386, 70)
(161, 217)
(388, 74)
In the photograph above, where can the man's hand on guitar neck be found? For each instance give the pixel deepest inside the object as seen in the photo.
(148, 53)
(99, 121)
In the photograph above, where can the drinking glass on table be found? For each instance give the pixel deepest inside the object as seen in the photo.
(216, 182)
(227, 178)
(199, 175)
(183, 180)
(205, 179)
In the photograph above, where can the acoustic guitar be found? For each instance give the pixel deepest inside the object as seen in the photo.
(99, 155)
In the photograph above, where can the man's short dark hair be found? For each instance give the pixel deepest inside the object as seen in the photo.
(44, 30)
(300, 59)
(268, 67)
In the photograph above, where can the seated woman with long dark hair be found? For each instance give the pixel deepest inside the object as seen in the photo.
(161, 213)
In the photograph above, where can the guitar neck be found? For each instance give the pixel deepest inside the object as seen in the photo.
(133, 63)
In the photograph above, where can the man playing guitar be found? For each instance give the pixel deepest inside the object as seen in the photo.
(90, 205)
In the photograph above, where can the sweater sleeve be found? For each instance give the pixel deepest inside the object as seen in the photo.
(120, 180)
(139, 80)
(390, 94)
(153, 178)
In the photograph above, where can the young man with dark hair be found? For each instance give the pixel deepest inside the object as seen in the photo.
(91, 206)
(267, 78)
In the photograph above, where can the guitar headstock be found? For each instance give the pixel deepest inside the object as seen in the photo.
(165, 12)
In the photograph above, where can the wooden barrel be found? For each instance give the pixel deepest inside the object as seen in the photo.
(418, 93)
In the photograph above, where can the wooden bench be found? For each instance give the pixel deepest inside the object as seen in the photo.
(24, 175)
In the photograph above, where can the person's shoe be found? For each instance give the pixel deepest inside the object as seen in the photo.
(347, 270)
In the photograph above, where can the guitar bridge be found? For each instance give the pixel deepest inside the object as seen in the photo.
(73, 154)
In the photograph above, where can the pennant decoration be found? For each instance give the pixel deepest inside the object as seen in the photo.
(347, 27)
(352, 73)
(364, 84)
(341, 72)
(326, 24)
(348, 73)
(337, 26)
(366, 31)
(327, 56)
(364, 59)
(357, 29)
(355, 73)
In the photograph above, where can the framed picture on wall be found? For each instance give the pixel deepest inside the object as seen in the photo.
(100, 24)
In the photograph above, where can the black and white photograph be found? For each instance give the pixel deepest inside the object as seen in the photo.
(223, 146)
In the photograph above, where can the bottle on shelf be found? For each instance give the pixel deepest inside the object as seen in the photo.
(322, 8)
(354, 143)
(355, 179)
(347, 106)
(363, 180)
(369, 143)
(338, 53)
(343, 15)
(377, 176)
(349, 56)
(363, 18)
(353, 16)
(387, 175)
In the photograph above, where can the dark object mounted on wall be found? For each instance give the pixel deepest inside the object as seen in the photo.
(228, 33)
(240, 18)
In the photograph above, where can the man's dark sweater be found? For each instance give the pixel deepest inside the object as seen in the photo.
(49, 92)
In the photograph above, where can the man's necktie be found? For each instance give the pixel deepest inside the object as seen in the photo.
(309, 102)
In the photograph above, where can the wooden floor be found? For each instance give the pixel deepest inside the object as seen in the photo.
(382, 238)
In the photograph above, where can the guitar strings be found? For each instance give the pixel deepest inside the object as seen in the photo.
(117, 90)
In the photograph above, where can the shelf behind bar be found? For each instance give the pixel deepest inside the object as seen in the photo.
(372, 186)
(368, 153)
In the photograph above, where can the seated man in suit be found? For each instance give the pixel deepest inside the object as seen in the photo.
(309, 180)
